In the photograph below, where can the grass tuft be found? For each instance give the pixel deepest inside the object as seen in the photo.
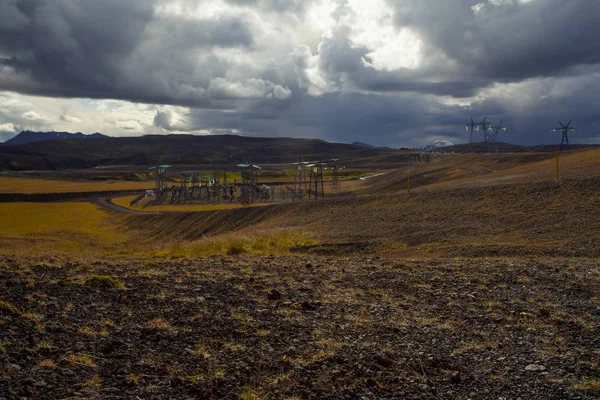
(47, 364)
(6, 306)
(249, 393)
(589, 386)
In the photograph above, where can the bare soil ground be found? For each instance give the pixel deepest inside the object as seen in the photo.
(481, 283)
(309, 327)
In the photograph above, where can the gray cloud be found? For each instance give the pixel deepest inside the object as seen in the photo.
(507, 40)
(250, 67)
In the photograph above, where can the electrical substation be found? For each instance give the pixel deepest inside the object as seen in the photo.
(217, 187)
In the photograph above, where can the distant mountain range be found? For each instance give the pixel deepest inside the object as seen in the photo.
(32, 137)
(60, 150)
(63, 150)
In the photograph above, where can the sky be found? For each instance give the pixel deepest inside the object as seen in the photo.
(384, 72)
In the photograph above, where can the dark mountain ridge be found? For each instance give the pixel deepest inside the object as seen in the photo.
(26, 137)
(176, 149)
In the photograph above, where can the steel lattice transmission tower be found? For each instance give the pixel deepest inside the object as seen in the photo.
(565, 129)
(471, 128)
(486, 127)
(490, 138)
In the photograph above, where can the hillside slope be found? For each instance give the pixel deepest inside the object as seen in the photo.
(468, 170)
(176, 149)
(543, 218)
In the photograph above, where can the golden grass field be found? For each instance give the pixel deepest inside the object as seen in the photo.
(85, 230)
(58, 227)
(35, 185)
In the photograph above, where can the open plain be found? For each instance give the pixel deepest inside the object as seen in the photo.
(481, 282)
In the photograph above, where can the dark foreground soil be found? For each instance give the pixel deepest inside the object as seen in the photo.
(301, 328)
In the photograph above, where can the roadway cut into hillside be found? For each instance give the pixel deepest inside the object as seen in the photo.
(519, 219)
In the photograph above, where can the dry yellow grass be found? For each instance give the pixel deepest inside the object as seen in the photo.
(468, 170)
(572, 164)
(57, 227)
(260, 243)
(33, 185)
(83, 229)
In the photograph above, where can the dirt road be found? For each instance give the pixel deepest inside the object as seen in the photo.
(108, 204)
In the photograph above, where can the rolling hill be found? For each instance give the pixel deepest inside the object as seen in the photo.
(176, 149)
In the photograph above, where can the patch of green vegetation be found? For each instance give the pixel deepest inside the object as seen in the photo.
(103, 282)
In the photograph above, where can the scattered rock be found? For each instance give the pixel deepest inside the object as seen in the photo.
(455, 377)
(535, 368)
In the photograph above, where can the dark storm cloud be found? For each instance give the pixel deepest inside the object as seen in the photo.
(236, 77)
(112, 49)
(342, 117)
(507, 40)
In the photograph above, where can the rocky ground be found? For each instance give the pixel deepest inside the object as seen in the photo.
(301, 328)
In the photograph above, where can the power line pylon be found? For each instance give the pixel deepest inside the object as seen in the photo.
(490, 142)
(487, 128)
(565, 129)
(471, 128)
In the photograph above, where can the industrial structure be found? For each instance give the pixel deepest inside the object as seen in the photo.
(214, 188)
(160, 187)
(471, 128)
(490, 133)
(565, 129)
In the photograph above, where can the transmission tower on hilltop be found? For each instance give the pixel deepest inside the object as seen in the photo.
(565, 129)
(471, 128)
(490, 137)
(485, 127)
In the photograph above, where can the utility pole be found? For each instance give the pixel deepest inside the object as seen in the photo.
(565, 129)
